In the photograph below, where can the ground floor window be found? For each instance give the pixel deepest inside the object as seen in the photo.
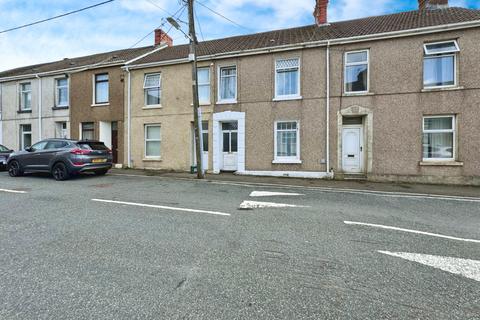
(88, 131)
(61, 130)
(152, 141)
(25, 136)
(439, 138)
(287, 147)
(205, 135)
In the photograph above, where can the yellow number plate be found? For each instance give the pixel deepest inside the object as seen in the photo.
(99, 160)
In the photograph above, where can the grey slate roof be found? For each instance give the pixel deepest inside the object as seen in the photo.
(100, 58)
(336, 30)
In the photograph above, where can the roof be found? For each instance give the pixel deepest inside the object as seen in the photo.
(337, 30)
(105, 58)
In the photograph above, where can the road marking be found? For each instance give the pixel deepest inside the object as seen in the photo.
(271, 194)
(464, 267)
(411, 231)
(259, 205)
(162, 207)
(388, 194)
(12, 191)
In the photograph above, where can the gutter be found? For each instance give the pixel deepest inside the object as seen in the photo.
(320, 43)
(39, 107)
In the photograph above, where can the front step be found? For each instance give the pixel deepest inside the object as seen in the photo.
(354, 177)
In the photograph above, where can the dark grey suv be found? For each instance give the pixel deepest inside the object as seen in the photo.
(62, 158)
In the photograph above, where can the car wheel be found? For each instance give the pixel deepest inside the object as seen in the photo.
(60, 172)
(14, 169)
(101, 172)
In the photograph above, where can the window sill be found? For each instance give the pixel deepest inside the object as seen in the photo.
(448, 163)
(156, 106)
(159, 159)
(450, 88)
(356, 94)
(100, 104)
(286, 161)
(227, 102)
(287, 98)
(24, 111)
(60, 108)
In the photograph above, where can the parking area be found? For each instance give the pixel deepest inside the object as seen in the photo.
(128, 247)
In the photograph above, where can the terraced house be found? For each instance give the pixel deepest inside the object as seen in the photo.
(391, 97)
(45, 100)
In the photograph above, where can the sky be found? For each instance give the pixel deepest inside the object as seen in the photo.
(122, 23)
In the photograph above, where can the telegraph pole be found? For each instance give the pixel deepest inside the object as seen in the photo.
(197, 122)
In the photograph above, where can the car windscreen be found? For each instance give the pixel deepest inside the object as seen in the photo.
(92, 146)
(3, 149)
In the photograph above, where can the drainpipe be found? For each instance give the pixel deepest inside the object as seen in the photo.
(39, 107)
(129, 119)
(328, 106)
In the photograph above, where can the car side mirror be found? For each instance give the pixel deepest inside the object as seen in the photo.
(29, 149)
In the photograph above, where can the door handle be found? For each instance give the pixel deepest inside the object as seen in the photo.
(361, 149)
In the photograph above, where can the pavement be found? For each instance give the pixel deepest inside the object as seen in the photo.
(133, 245)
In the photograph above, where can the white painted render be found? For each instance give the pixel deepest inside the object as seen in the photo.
(289, 174)
(42, 127)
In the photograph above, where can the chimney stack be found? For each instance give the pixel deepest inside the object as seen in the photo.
(161, 37)
(432, 4)
(321, 12)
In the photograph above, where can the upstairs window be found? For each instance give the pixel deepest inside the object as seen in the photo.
(61, 92)
(356, 71)
(101, 88)
(439, 64)
(287, 78)
(439, 138)
(228, 84)
(204, 85)
(26, 96)
(152, 88)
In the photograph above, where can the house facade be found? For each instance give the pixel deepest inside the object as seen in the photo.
(390, 98)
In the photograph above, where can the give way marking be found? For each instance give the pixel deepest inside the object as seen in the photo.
(272, 194)
(12, 191)
(260, 205)
(163, 207)
(464, 267)
(410, 231)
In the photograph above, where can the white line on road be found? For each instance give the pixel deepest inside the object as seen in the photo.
(257, 204)
(465, 267)
(162, 207)
(271, 194)
(411, 231)
(12, 191)
(388, 194)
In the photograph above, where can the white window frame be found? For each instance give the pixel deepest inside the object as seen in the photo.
(23, 133)
(441, 52)
(446, 53)
(286, 160)
(95, 89)
(288, 96)
(453, 130)
(356, 64)
(21, 91)
(57, 95)
(205, 84)
(152, 140)
(219, 72)
(145, 88)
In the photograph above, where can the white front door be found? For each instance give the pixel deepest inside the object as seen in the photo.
(230, 146)
(352, 146)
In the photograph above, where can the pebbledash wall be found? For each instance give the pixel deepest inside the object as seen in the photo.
(392, 112)
(53, 117)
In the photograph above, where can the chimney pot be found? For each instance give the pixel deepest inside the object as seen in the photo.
(161, 37)
(321, 12)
